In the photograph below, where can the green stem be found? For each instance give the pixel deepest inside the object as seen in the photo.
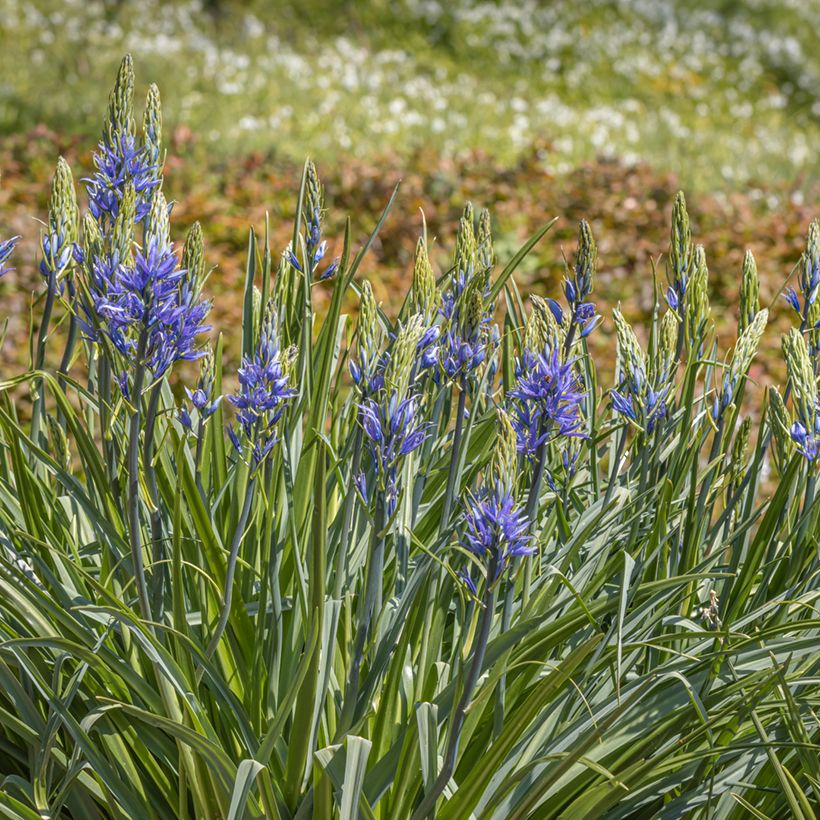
(451, 478)
(428, 804)
(133, 479)
(230, 570)
(372, 589)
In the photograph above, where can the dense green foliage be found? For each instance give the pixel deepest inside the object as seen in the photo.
(657, 654)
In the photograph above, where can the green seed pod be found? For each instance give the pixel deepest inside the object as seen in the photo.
(368, 324)
(92, 241)
(403, 356)
(749, 292)
(801, 372)
(680, 251)
(630, 355)
(120, 117)
(64, 215)
(122, 234)
(502, 469)
(697, 301)
(484, 243)
(746, 347)
(780, 424)
(587, 259)
(159, 226)
(465, 255)
(740, 447)
(193, 253)
(542, 330)
(424, 297)
(314, 195)
(152, 128)
(668, 343)
(472, 310)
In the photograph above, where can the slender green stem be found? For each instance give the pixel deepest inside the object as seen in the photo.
(230, 570)
(509, 594)
(372, 589)
(428, 804)
(455, 452)
(347, 517)
(151, 482)
(133, 479)
(40, 360)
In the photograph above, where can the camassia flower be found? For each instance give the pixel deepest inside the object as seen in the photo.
(202, 398)
(577, 287)
(497, 529)
(6, 250)
(390, 417)
(150, 307)
(637, 397)
(546, 400)
(264, 391)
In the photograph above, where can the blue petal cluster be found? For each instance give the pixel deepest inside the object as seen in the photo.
(638, 400)
(496, 529)
(805, 432)
(153, 295)
(116, 163)
(546, 400)
(262, 397)
(315, 249)
(57, 253)
(392, 431)
(6, 249)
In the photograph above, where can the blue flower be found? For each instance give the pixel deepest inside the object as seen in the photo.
(806, 438)
(6, 249)
(151, 295)
(263, 395)
(546, 400)
(496, 529)
(57, 253)
(117, 163)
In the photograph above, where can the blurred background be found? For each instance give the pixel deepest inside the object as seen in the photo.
(598, 109)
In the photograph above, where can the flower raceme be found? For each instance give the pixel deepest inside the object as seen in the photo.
(150, 308)
(264, 391)
(546, 399)
(497, 529)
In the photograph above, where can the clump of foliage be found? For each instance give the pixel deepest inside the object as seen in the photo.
(410, 566)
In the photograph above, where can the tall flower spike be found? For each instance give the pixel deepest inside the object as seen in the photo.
(546, 400)
(364, 368)
(680, 254)
(637, 398)
(263, 394)
(744, 352)
(497, 529)
(697, 302)
(805, 431)
(63, 223)
(667, 345)
(501, 472)
(578, 283)
(403, 357)
(484, 246)
(152, 129)
(120, 117)
(740, 447)
(749, 292)
(193, 253)
(780, 425)
(202, 397)
(425, 293)
(119, 159)
(801, 372)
